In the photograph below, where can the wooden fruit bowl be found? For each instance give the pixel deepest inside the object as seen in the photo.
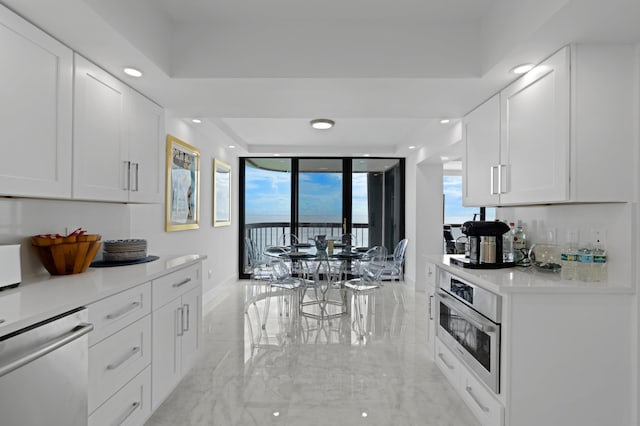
(66, 255)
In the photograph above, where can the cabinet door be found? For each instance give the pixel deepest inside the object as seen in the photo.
(166, 353)
(535, 134)
(192, 326)
(100, 157)
(36, 79)
(146, 140)
(481, 135)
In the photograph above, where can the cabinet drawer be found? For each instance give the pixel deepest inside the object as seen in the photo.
(130, 406)
(481, 401)
(172, 285)
(118, 358)
(449, 364)
(116, 312)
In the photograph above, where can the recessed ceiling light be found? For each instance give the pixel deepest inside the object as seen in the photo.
(276, 155)
(366, 155)
(196, 120)
(412, 147)
(232, 146)
(322, 123)
(445, 121)
(133, 72)
(276, 413)
(364, 414)
(522, 68)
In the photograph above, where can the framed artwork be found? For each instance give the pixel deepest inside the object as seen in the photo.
(221, 193)
(182, 196)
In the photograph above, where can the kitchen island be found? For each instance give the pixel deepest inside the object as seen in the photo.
(564, 348)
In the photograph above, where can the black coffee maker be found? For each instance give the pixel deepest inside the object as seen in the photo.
(485, 245)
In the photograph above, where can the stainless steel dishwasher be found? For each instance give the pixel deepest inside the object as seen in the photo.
(44, 372)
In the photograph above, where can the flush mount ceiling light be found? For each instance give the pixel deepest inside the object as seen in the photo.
(322, 123)
(196, 120)
(522, 68)
(232, 146)
(445, 121)
(412, 147)
(133, 72)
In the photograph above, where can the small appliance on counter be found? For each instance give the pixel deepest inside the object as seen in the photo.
(10, 273)
(485, 245)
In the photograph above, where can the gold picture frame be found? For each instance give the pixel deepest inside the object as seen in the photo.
(221, 193)
(182, 192)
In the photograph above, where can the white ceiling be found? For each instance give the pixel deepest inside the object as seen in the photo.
(385, 71)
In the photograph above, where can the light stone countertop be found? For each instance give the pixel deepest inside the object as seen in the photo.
(527, 280)
(43, 297)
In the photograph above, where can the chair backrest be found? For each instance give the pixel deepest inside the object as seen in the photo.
(376, 254)
(280, 271)
(252, 257)
(399, 251)
(371, 272)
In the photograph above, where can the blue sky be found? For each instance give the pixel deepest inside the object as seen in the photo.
(268, 196)
(454, 212)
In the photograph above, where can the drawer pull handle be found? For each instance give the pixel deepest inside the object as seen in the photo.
(129, 412)
(123, 311)
(131, 353)
(470, 392)
(430, 307)
(181, 283)
(444, 361)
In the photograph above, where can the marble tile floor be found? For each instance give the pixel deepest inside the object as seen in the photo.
(369, 366)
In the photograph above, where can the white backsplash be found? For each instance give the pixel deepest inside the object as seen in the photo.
(20, 218)
(617, 221)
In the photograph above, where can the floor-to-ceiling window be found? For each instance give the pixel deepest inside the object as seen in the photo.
(310, 196)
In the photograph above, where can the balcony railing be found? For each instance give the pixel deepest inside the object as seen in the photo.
(266, 234)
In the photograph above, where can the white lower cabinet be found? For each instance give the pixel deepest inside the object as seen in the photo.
(176, 329)
(120, 358)
(487, 409)
(131, 406)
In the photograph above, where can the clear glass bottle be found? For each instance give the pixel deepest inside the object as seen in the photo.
(520, 255)
(599, 264)
(585, 259)
(507, 244)
(569, 257)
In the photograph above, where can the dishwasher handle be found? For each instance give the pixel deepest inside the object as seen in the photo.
(61, 341)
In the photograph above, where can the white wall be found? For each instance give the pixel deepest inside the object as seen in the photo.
(21, 218)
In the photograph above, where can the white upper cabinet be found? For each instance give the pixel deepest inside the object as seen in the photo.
(145, 127)
(117, 139)
(481, 135)
(100, 155)
(534, 143)
(36, 80)
(565, 131)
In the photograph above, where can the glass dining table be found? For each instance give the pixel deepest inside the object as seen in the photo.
(323, 296)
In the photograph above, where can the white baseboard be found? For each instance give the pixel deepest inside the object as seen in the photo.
(214, 296)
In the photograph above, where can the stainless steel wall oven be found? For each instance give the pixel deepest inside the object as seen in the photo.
(469, 325)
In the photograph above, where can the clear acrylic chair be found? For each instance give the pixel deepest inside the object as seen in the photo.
(260, 269)
(395, 267)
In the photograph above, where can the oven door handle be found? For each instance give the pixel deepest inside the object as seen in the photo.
(469, 314)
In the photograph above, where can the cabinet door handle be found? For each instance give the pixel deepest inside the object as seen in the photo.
(493, 180)
(127, 173)
(181, 319)
(444, 361)
(186, 310)
(124, 359)
(430, 307)
(132, 409)
(123, 311)
(476, 400)
(502, 189)
(181, 283)
(137, 187)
